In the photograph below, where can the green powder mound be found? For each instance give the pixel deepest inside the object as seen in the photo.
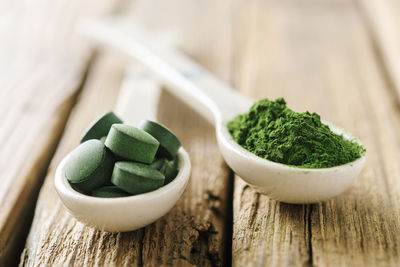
(274, 132)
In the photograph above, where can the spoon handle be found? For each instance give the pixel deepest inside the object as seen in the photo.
(186, 79)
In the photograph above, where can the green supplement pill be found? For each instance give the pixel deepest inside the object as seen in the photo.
(169, 143)
(89, 166)
(103, 139)
(109, 191)
(169, 168)
(157, 163)
(101, 126)
(131, 143)
(136, 178)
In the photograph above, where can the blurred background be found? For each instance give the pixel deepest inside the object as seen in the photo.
(339, 58)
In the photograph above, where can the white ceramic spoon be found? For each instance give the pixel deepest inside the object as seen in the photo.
(133, 212)
(219, 103)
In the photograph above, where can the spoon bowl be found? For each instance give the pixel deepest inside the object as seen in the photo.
(123, 213)
(288, 183)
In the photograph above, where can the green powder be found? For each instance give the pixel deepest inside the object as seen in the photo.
(274, 132)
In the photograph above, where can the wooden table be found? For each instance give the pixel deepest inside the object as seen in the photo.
(340, 58)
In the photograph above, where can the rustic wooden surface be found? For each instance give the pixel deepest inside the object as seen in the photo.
(319, 56)
(339, 58)
(191, 234)
(42, 65)
(56, 238)
(382, 20)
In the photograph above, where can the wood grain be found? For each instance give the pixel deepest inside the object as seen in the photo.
(382, 20)
(334, 57)
(191, 234)
(42, 67)
(318, 55)
(55, 237)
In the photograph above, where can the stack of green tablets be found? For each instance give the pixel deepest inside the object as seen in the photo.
(118, 160)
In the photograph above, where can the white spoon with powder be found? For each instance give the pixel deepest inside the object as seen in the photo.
(219, 104)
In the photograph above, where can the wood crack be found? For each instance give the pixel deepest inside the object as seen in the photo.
(228, 223)
(254, 209)
(308, 232)
(202, 248)
(141, 245)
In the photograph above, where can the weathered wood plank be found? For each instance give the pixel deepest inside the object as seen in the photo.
(42, 67)
(190, 234)
(266, 232)
(202, 29)
(55, 237)
(318, 55)
(382, 20)
(17, 209)
(193, 232)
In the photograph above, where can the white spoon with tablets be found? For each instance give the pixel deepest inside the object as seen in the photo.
(220, 104)
(125, 213)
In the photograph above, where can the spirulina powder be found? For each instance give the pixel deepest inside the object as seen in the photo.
(274, 132)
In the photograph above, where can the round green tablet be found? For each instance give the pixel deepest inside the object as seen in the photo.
(131, 143)
(101, 126)
(157, 163)
(109, 191)
(89, 166)
(136, 178)
(169, 143)
(170, 170)
(167, 167)
(103, 139)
